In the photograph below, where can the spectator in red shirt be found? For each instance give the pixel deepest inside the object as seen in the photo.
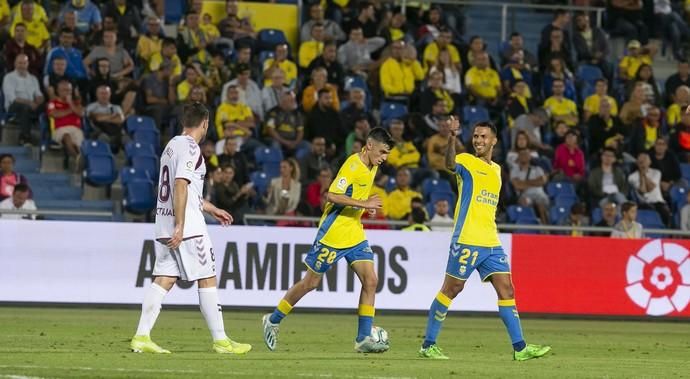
(8, 177)
(66, 113)
(317, 189)
(569, 160)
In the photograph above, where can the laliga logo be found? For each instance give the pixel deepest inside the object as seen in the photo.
(659, 278)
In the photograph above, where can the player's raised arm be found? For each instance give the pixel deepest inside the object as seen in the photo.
(450, 149)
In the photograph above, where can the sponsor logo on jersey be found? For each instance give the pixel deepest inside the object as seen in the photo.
(342, 184)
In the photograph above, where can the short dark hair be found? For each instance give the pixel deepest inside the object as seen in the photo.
(3, 156)
(194, 114)
(316, 25)
(66, 31)
(167, 41)
(23, 25)
(627, 206)
(323, 91)
(515, 34)
(21, 187)
(418, 215)
(380, 134)
(486, 124)
(609, 149)
(602, 80)
(559, 12)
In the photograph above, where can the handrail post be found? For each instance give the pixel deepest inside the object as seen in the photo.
(600, 13)
(403, 7)
(504, 21)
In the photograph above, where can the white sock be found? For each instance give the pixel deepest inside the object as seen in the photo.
(210, 308)
(150, 309)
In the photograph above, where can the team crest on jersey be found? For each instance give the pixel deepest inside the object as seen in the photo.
(342, 184)
(317, 265)
(462, 270)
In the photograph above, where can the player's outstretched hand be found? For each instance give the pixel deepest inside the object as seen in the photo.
(176, 239)
(373, 202)
(222, 216)
(454, 126)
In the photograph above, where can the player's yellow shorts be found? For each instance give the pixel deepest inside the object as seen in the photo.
(321, 257)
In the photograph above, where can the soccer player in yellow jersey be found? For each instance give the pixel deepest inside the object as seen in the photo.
(475, 244)
(341, 235)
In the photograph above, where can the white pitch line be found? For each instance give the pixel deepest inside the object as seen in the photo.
(173, 371)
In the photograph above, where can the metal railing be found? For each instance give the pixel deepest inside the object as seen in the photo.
(57, 212)
(506, 6)
(675, 233)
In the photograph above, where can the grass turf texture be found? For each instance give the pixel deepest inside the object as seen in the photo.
(48, 342)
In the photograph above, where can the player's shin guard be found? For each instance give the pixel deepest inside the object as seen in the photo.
(213, 314)
(509, 314)
(150, 308)
(282, 310)
(437, 313)
(366, 320)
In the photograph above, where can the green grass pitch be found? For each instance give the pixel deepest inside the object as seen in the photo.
(89, 343)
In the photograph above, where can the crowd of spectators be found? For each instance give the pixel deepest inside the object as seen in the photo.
(615, 136)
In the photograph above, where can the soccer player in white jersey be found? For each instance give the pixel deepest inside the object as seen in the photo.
(183, 247)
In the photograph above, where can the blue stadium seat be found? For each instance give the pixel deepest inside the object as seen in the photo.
(56, 193)
(565, 201)
(302, 153)
(441, 195)
(174, 9)
(557, 215)
(472, 114)
(268, 159)
(16, 151)
(391, 184)
(261, 182)
(89, 147)
(136, 122)
(127, 174)
(589, 73)
(139, 196)
(147, 163)
(518, 213)
(527, 221)
(269, 38)
(650, 219)
(596, 215)
(135, 148)
(150, 137)
(555, 189)
(264, 55)
(679, 197)
(390, 110)
(99, 169)
(544, 163)
(685, 171)
(355, 81)
(430, 185)
(26, 165)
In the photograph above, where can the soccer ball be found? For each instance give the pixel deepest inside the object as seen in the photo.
(379, 334)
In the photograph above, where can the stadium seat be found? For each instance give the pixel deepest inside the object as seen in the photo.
(557, 215)
(269, 38)
(565, 201)
(264, 55)
(26, 165)
(518, 213)
(430, 185)
(390, 110)
(471, 114)
(527, 221)
(150, 137)
(596, 215)
(268, 159)
(127, 174)
(147, 163)
(589, 74)
(261, 182)
(135, 122)
(99, 169)
(133, 149)
(355, 81)
(139, 196)
(89, 147)
(174, 9)
(555, 189)
(391, 184)
(650, 219)
(679, 196)
(685, 171)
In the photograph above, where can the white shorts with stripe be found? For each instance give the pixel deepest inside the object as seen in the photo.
(191, 261)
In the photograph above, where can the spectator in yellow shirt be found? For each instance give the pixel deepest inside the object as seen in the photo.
(400, 71)
(309, 50)
(167, 55)
(442, 42)
(207, 26)
(404, 153)
(280, 61)
(319, 81)
(399, 201)
(437, 145)
(4, 13)
(675, 111)
(192, 77)
(637, 55)
(233, 118)
(150, 42)
(600, 92)
(559, 107)
(483, 82)
(36, 31)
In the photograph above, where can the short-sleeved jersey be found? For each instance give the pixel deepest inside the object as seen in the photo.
(341, 226)
(181, 159)
(479, 185)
